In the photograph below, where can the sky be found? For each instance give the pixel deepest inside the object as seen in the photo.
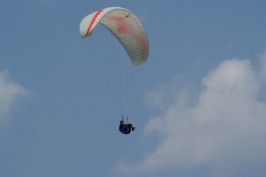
(199, 107)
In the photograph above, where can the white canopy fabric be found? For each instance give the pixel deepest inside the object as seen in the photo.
(125, 26)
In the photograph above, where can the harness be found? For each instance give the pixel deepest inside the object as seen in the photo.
(126, 130)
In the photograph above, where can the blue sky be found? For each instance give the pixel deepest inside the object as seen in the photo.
(199, 108)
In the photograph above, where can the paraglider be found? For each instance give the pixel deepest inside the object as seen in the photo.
(129, 32)
(125, 128)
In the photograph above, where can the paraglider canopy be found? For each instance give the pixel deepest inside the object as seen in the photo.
(125, 26)
(119, 43)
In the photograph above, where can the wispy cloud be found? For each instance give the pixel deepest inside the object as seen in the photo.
(225, 130)
(10, 93)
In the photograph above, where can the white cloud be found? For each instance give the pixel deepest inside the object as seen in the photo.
(10, 94)
(225, 130)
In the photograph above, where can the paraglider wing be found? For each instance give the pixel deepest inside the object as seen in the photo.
(125, 26)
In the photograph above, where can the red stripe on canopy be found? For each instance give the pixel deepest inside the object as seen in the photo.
(93, 20)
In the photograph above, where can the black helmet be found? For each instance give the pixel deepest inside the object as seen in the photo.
(121, 121)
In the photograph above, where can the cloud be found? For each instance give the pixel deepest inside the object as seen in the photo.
(224, 131)
(10, 94)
